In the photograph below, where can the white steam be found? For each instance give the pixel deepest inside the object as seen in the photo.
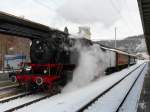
(91, 65)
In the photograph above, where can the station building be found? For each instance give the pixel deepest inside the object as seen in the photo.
(12, 45)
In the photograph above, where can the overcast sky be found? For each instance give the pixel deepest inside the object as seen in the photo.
(102, 16)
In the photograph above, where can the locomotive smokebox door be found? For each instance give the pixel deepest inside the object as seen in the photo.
(41, 51)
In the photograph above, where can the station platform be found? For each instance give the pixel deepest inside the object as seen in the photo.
(144, 102)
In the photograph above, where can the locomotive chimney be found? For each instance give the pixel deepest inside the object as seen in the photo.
(66, 30)
(85, 32)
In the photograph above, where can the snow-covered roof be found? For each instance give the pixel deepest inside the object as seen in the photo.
(116, 50)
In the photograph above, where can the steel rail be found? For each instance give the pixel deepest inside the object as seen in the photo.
(15, 97)
(107, 90)
(8, 87)
(28, 103)
(129, 90)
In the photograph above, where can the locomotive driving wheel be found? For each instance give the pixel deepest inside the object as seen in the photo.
(55, 89)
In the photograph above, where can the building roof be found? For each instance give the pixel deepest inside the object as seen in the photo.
(14, 25)
(144, 7)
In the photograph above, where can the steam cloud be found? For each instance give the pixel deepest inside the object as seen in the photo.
(91, 65)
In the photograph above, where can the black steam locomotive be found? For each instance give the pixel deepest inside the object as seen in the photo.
(52, 62)
(52, 58)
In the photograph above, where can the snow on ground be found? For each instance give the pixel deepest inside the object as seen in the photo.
(131, 103)
(113, 98)
(18, 101)
(1, 72)
(71, 101)
(5, 71)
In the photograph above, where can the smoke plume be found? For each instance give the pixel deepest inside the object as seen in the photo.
(91, 65)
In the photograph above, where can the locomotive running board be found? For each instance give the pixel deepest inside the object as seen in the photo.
(17, 26)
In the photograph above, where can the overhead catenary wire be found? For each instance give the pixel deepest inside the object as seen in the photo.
(129, 24)
(132, 21)
(118, 11)
(43, 5)
(50, 9)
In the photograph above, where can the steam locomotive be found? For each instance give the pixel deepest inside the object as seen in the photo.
(52, 54)
(52, 62)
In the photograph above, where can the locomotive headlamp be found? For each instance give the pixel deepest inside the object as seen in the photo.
(37, 42)
(45, 71)
(28, 68)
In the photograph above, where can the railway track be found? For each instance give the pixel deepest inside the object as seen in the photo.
(14, 97)
(119, 107)
(7, 83)
(124, 87)
(9, 87)
(28, 103)
(9, 91)
(89, 104)
(29, 99)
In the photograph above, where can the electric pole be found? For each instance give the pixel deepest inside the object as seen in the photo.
(115, 37)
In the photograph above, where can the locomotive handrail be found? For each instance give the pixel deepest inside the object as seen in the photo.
(65, 66)
(43, 65)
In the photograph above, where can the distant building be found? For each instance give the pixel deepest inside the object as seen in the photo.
(143, 55)
(85, 32)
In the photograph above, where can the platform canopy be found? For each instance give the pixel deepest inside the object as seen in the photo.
(144, 7)
(17, 26)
